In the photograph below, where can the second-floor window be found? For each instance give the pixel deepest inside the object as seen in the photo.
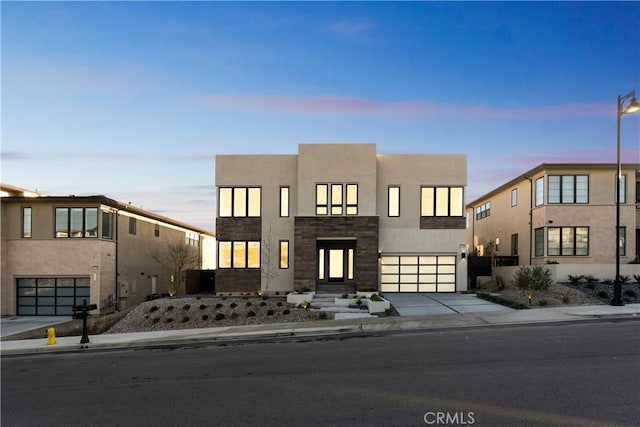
(26, 222)
(133, 225)
(441, 201)
(284, 201)
(76, 222)
(191, 238)
(514, 197)
(623, 189)
(539, 191)
(394, 201)
(483, 211)
(330, 199)
(568, 189)
(239, 202)
(107, 225)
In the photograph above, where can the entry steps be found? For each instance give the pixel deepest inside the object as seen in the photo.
(326, 302)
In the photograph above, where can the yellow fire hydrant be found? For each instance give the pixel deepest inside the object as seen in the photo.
(51, 336)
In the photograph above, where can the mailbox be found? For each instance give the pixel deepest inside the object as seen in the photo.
(82, 312)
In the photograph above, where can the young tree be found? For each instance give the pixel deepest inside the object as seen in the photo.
(531, 279)
(177, 258)
(269, 260)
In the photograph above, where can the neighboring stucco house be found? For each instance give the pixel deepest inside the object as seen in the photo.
(58, 251)
(573, 219)
(340, 217)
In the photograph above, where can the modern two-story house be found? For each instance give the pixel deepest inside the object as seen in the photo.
(341, 217)
(57, 251)
(563, 215)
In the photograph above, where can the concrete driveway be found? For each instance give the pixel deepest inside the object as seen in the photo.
(421, 304)
(17, 324)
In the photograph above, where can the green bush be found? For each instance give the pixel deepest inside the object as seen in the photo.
(630, 293)
(170, 308)
(345, 296)
(205, 317)
(591, 280)
(185, 319)
(249, 304)
(219, 316)
(574, 280)
(186, 307)
(323, 315)
(152, 309)
(376, 297)
(155, 320)
(251, 314)
(607, 282)
(269, 312)
(565, 299)
(202, 306)
(543, 302)
(233, 305)
(624, 278)
(286, 311)
(532, 279)
(265, 297)
(169, 320)
(234, 315)
(636, 277)
(218, 305)
(603, 295)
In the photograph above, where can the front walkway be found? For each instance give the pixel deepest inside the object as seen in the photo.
(421, 304)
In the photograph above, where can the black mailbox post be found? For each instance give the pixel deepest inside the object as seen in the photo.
(82, 312)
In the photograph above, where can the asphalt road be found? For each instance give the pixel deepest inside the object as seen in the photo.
(569, 374)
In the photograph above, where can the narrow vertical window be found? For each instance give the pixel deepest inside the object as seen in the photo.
(539, 191)
(107, 225)
(77, 222)
(539, 242)
(62, 222)
(253, 254)
(91, 222)
(553, 193)
(582, 241)
(240, 202)
(239, 254)
(622, 241)
(254, 202)
(320, 264)
(394, 202)
(582, 189)
(623, 189)
(224, 255)
(553, 241)
(284, 202)
(456, 201)
(156, 230)
(427, 201)
(133, 226)
(442, 201)
(514, 244)
(514, 197)
(284, 254)
(225, 203)
(352, 199)
(336, 199)
(350, 268)
(26, 222)
(322, 199)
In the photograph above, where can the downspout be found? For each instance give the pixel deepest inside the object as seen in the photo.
(530, 218)
(117, 258)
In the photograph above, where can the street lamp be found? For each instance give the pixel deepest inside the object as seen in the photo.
(632, 107)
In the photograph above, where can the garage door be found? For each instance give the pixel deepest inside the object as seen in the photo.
(51, 296)
(418, 273)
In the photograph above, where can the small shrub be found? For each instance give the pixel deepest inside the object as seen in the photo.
(218, 305)
(265, 297)
(630, 293)
(636, 277)
(603, 295)
(591, 280)
(358, 302)
(279, 304)
(607, 282)
(345, 296)
(249, 304)
(170, 308)
(202, 306)
(152, 309)
(205, 317)
(574, 280)
(251, 314)
(624, 278)
(199, 297)
(245, 297)
(323, 315)
(286, 311)
(388, 311)
(186, 307)
(223, 298)
(234, 315)
(185, 319)
(169, 320)
(531, 279)
(565, 299)
(543, 302)
(233, 305)
(306, 289)
(155, 320)
(269, 312)
(219, 316)
(262, 304)
(376, 297)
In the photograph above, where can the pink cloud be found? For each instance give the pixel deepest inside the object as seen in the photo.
(350, 105)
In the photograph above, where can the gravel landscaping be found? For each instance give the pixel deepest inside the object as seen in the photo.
(209, 312)
(558, 295)
(604, 291)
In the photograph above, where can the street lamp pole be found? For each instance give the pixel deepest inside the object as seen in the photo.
(633, 107)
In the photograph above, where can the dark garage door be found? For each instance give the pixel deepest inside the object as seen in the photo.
(50, 296)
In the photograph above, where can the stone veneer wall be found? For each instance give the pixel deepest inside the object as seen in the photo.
(444, 222)
(363, 228)
(245, 279)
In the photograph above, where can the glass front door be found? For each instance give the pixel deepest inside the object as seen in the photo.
(336, 261)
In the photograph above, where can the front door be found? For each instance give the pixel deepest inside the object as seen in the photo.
(336, 262)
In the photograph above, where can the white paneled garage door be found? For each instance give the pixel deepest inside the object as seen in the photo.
(418, 273)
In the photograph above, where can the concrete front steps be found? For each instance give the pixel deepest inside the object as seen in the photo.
(326, 302)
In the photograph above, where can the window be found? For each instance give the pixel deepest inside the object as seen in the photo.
(322, 197)
(26, 222)
(284, 254)
(514, 197)
(107, 225)
(539, 191)
(239, 202)
(284, 202)
(622, 241)
(239, 254)
(568, 241)
(441, 201)
(156, 230)
(568, 189)
(394, 202)
(638, 194)
(336, 199)
(623, 189)
(539, 242)
(514, 244)
(483, 211)
(352, 199)
(76, 222)
(191, 238)
(133, 225)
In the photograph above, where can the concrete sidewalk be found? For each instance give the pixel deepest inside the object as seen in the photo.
(320, 328)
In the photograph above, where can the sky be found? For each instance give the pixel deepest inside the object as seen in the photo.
(133, 100)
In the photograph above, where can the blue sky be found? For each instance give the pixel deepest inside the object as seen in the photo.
(134, 100)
